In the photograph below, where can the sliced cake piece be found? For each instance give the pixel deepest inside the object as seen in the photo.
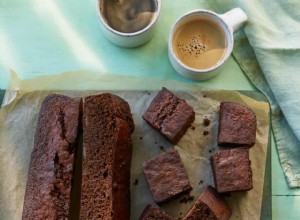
(231, 170)
(170, 115)
(107, 150)
(237, 125)
(153, 212)
(166, 176)
(209, 206)
(50, 174)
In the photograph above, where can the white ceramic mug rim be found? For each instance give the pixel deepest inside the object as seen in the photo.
(153, 21)
(229, 47)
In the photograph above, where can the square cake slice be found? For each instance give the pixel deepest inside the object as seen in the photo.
(210, 205)
(166, 176)
(153, 212)
(170, 115)
(237, 125)
(231, 170)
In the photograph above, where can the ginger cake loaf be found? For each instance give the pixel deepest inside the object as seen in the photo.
(107, 150)
(50, 173)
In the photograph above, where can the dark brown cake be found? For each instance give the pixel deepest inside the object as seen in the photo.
(209, 206)
(237, 125)
(166, 176)
(153, 212)
(231, 170)
(169, 115)
(107, 149)
(50, 174)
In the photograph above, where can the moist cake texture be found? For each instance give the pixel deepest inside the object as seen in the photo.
(107, 149)
(153, 212)
(50, 174)
(237, 125)
(170, 115)
(166, 176)
(231, 170)
(209, 206)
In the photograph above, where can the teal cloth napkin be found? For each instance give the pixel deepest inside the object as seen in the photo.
(268, 50)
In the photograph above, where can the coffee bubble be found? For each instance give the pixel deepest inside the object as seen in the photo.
(194, 46)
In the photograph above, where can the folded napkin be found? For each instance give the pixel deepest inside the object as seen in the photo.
(268, 51)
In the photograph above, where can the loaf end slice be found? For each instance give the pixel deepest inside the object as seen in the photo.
(50, 174)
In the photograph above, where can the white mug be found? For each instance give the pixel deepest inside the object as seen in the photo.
(128, 39)
(228, 22)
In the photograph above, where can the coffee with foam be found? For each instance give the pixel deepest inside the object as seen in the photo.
(199, 43)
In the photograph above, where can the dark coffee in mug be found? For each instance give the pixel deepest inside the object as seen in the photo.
(128, 16)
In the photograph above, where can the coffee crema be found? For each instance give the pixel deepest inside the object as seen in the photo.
(128, 16)
(199, 43)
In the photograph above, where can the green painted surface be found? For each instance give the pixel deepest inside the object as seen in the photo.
(286, 207)
(40, 37)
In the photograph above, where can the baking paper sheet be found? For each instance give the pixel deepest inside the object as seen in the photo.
(22, 103)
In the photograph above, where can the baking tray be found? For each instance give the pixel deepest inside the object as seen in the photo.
(266, 212)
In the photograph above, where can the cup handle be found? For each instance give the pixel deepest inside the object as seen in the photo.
(234, 18)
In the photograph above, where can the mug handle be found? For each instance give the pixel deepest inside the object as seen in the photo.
(234, 18)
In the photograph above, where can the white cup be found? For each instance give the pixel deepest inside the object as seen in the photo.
(125, 39)
(228, 22)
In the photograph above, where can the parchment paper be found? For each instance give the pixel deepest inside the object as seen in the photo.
(18, 118)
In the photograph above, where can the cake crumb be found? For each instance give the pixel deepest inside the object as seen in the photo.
(136, 182)
(183, 200)
(191, 198)
(205, 133)
(162, 148)
(141, 137)
(206, 122)
(187, 199)
(200, 182)
(193, 128)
